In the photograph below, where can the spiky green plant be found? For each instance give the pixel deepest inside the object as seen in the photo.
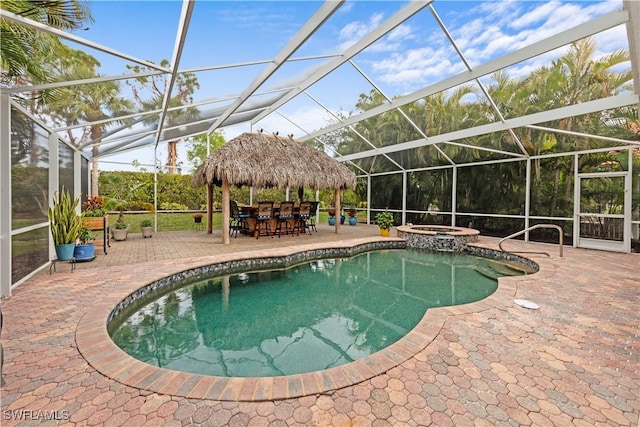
(63, 218)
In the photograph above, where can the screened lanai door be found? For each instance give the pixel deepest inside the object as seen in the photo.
(602, 211)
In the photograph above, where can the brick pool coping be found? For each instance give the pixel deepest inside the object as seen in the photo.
(97, 348)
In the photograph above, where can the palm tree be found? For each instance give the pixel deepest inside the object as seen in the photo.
(575, 77)
(23, 49)
(185, 86)
(86, 103)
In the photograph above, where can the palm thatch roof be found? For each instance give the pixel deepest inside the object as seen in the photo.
(265, 160)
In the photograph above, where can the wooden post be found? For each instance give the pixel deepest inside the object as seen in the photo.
(226, 215)
(209, 208)
(337, 208)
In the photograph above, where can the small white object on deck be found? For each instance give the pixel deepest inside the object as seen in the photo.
(526, 304)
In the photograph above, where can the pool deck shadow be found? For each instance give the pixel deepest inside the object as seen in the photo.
(572, 362)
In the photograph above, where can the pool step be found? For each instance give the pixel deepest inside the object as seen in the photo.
(488, 272)
(506, 269)
(494, 270)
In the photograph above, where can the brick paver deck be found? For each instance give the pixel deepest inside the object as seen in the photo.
(575, 361)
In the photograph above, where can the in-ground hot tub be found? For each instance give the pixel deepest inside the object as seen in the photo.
(437, 237)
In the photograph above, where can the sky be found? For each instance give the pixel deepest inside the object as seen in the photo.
(414, 55)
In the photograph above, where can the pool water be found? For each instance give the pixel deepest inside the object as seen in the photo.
(309, 317)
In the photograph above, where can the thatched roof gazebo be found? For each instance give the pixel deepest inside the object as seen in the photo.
(265, 160)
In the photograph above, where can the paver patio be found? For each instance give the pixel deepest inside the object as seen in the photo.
(575, 361)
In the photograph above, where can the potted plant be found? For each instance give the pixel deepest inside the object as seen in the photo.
(332, 217)
(352, 216)
(96, 218)
(120, 231)
(385, 222)
(197, 217)
(64, 223)
(84, 251)
(93, 213)
(147, 228)
(94, 204)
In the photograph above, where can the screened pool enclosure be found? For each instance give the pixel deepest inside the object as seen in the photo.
(493, 115)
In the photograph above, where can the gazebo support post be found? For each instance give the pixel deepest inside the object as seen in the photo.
(336, 206)
(209, 208)
(226, 215)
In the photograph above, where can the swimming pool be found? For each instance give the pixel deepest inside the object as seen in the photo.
(313, 316)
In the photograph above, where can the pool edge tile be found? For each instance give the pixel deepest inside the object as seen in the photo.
(294, 386)
(216, 387)
(248, 389)
(279, 388)
(263, 390)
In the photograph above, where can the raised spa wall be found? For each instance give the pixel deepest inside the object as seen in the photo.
(437, 237)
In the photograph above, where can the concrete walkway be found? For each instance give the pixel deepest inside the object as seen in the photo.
(575, 361)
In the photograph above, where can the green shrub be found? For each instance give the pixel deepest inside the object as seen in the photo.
(173, 206)
(93, 213)
(84, 235)
(384, 219)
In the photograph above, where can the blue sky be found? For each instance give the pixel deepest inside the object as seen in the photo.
(414, 55)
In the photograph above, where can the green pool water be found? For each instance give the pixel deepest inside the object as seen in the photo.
(309, 317)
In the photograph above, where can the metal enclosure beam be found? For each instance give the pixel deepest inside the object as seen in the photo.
(183, 26)
(54, 181)
(542, 117)
(633, 34)
(561, 39)
(405, 13)
(72, 37)
(313, 24)
(5, 195)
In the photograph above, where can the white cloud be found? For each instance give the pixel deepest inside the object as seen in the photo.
(613, 39)
(492, 35)
(415, 67)
(346, 7)
(354, 31)
(534, 16)
(394, 40)
(401, 32)
(482, 33)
